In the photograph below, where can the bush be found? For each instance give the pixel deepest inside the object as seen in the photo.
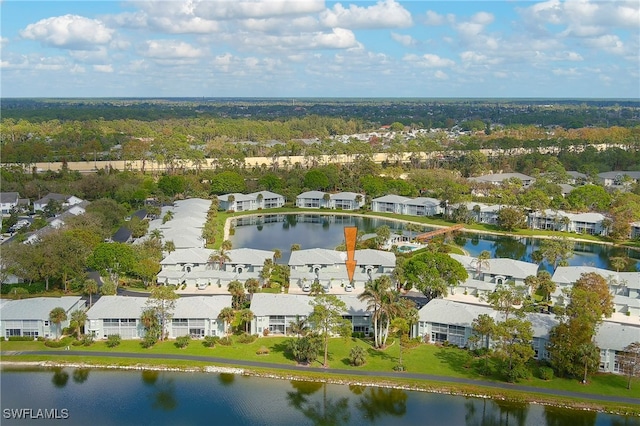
(58, 343)
(20, 338)
(545, 373)
(76, 343)
(148, 341)
(182, 342)
(265, 332)
(210, 341)
(226, 341)
(40, 338)
(113, 340)
(357, 356)
(263, 350)
(247, 338)
(2, 338)
(87, 340)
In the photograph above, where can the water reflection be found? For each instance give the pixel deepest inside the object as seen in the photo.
(561, 416)
(60, 377)
(163, 394)
(80, 375)
(326, 411)
(226, 379)
(487, 412)
(375, 403)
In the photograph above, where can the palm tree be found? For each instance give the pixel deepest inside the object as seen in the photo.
(78, 319)
(326, 198)
(219, 258)
(246, 316)
(482, 261)
(295, 247)
(236, 289)
(252, 285)
(156, 234)
(373, 295)
(299, 327)
(226, 245)
(227, 315)
(277, 254)
(167, 217)
(56, 316)
(476, 209)
(169, 246)
(90, 288)
(230, 200)
(619, 262)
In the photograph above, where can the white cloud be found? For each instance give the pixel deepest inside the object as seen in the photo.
(609, 43)
(241, 9)
(339, 38)
(404, 39)
(4, 41)
(69, 32)
(433, 19)
(170, 49)
(440, 75)
(384, 14)
(429, 61)
(566, 72)
(103, 68)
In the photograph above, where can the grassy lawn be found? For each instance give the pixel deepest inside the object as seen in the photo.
(425, 359)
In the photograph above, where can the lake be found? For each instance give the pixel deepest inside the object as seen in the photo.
(326, 231)
(116, 397)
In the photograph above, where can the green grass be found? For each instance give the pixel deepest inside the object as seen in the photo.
(424, 358)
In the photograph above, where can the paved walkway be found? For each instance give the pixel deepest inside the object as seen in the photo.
(371, 374)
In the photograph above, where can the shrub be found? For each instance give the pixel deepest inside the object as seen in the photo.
(265, 332)
(148, 341)
(87, 340)
(40, 338)
(113, 340)
(182, 342)
(545, 373)
(20, 338)
(247, 338)
(210, 341)
(76, 343)
(357, 356)
(398, 367)
(58, 343)
(263, 350)
(226, 341)
(2, 339)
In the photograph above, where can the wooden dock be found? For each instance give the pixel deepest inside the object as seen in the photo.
(431, 234)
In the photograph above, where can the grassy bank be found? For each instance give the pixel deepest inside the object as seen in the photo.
(422, 359)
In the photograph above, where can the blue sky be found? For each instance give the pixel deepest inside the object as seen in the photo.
(315, 48)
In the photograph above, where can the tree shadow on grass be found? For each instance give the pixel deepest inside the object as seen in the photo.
(282, 348)
(458, 360)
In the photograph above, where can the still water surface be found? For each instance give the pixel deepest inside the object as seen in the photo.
(107, 397)
(326, 231)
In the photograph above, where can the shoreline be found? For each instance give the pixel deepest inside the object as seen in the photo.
(443, 389)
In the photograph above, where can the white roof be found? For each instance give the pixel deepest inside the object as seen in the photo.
(612, 335)
(37, 308)
(249, 256)
(449, 312)
(187, 255)
(423, 201)
(316, 256)
(265, 304)
(398, 199)
(237, 197)
(500, 266)
(117, 307)
(613, 175)
(201, 306)
(131, 307)
(499, 177)
(266, 194)
(571, 274)
(375, 257)
(312, 194)
(346, 196)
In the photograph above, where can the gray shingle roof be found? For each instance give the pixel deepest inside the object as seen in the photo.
(9, 197)
(611, 335)
(37, 308)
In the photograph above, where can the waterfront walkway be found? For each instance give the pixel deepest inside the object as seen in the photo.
(373, 375)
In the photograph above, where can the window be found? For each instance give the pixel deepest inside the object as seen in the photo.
(31, 334)
(196, 332)
(46, 323)
(180, 322)
(12, 332)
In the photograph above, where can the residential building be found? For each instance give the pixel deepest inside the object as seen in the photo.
(268, 200)
(30, 317)
(8, 201)
(442, 321)
(389, 204)
(618, 178)
(237, 202)
(276, 312)
(558, 220)
(195, 267)
(499, 178)
(483, 278)
(478, 212)
(635, 230)
(195, 316)
(346, 201)
(422, 206)
(65, 201)
(329, 269)
(624, 286)
(184, 229)
(313, 200)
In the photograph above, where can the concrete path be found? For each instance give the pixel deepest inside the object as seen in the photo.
(371, 374)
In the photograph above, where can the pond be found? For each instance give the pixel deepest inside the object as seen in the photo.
(107, 397)
(268, 232)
